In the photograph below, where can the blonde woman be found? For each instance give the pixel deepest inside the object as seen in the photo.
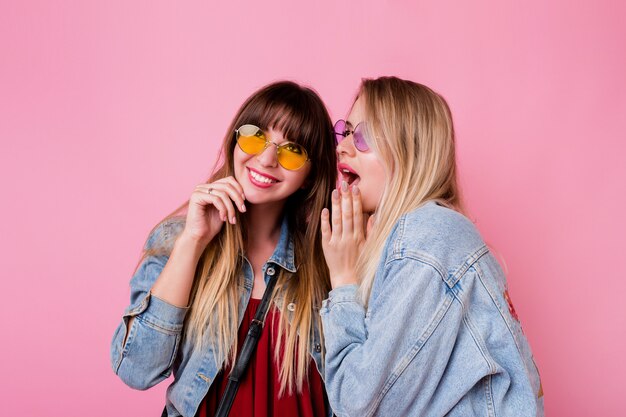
(204, 273)
(419, 321)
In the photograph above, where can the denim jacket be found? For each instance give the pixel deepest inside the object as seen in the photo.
(439, 335)
(155, 347)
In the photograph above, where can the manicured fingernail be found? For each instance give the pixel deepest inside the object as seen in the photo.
(243, 207)
(233, 220)
(335, 194)
(324, 212)
(355, 190)
(344, 186)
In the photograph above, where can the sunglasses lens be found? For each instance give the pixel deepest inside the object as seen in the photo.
(292, 156)
(359, 139)
(250, 139)
(340, 128)
(249, 130)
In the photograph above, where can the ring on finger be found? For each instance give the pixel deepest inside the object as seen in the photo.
(209, 191)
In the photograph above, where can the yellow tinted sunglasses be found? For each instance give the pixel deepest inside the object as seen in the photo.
(252, 141)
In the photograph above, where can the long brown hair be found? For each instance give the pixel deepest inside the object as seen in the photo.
(300, 115)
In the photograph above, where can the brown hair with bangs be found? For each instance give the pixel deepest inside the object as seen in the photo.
(300, 115)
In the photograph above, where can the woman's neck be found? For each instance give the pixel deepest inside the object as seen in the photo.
(264, 223)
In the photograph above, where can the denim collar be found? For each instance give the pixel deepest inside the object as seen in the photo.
(284, 253)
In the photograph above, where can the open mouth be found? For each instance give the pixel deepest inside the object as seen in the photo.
(348, 174)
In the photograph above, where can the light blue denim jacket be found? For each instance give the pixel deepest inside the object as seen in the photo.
(155, 348)
(439, 336)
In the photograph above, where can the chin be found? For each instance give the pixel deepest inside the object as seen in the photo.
(255, 197)
(369, 210)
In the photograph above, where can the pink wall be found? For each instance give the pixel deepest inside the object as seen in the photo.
(110, 114)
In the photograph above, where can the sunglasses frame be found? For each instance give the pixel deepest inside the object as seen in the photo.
(268, 142)
(360, 146)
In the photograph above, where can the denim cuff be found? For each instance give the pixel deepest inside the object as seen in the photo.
(164, 315)
(346, 293)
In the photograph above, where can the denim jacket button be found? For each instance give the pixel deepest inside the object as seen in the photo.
(271, 271)
(318, 348)
(291, 306)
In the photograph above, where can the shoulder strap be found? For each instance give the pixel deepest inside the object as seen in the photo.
(249, 345)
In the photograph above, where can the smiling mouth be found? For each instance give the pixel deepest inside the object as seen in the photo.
(261, 179)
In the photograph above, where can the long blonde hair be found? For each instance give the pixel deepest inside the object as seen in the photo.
(410, 128)
(300, 115)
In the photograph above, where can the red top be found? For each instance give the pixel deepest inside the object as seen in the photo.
(257, 395)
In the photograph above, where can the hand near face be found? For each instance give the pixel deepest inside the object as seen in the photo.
(343, 235)
(210, 206)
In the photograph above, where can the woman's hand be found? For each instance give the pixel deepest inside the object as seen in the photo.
(342, 244)
(210, 206)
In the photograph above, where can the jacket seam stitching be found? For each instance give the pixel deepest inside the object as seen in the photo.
(498, 307)
(168, 371)
(482, 347)
(479, 343)
(467, 264)
(153, 325)
(396, 246)
(422, 258)
(489, 396)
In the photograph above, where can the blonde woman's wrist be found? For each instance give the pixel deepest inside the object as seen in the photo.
(341, 280)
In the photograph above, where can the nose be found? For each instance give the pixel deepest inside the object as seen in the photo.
(346, 147)
(268, 158)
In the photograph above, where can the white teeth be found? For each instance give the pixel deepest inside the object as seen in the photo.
(346, 171)
(261, 178)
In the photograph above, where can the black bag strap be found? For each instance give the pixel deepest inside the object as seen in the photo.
(249, 345)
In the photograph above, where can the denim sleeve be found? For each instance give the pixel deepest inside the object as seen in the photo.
(153, 338)
(366, 352)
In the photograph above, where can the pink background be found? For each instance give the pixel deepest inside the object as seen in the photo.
(110, 114)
